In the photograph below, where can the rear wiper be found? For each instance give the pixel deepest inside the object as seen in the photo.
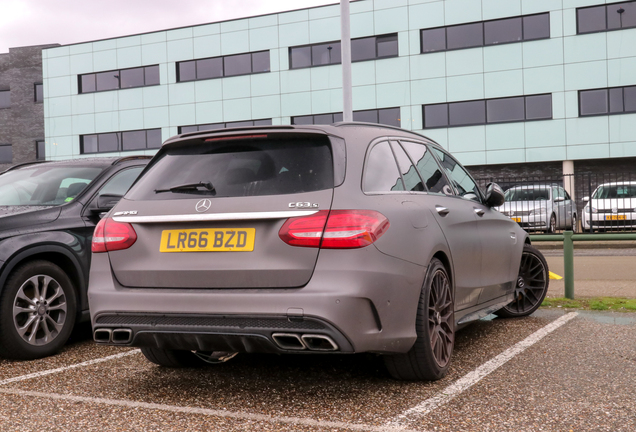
(190, 187)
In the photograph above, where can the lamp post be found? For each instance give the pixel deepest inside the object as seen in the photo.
(345, 41)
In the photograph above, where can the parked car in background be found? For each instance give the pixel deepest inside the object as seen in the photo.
(335, 239)
(540, 207)
(612, 206)
(48, 211)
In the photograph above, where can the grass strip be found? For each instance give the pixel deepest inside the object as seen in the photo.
(616, 304)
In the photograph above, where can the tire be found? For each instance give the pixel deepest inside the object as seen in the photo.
(532, 285)
(430, 356)
(37, 311)
(172, 358)
(574, 222)
(552, 225)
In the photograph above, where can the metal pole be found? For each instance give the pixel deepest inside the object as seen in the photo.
(568, 264)
(345, 48)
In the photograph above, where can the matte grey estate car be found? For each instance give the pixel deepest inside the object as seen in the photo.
(341, 238)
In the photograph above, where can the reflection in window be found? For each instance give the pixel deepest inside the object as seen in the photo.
(225, 66)
(613, 16)
(428, 168)
(464, 184)
(381, 173)
(212, 126)
(119, 79)
(327, 53)
(412, 180)
(614, 100)
(484, 33)
(120, 141)
(488, 111)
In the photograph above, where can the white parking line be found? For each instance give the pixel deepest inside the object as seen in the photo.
(298, 421)
(66, 368)
(478, 374)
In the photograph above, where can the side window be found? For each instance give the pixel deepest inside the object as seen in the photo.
(429, 170)
(555, 193)
(464, 184)
(381, 173)
(121, 182)
(412, 180)
(565, 194)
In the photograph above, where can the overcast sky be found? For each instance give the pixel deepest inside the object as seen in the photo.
(39, 22)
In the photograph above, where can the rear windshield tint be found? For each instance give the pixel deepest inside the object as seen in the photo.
(238, 167)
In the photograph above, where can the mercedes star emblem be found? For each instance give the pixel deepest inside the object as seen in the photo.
(203, 205)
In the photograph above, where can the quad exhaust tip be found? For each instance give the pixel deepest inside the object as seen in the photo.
(116, 336)
(312, 342)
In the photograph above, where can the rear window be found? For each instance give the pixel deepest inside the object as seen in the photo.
(238, 167)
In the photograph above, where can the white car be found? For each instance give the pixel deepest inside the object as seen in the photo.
(540, 207)
(612, 206)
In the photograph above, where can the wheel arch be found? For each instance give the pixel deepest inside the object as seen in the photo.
(446, 262)
(55, 254)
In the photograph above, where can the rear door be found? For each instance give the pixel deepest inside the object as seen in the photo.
(208, 212)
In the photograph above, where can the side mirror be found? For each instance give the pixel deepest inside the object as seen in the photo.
(559, 199)
(105, 202)
(494, 195)
(586, 198)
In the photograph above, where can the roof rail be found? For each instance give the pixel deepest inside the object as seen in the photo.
(20, 165)
(129, 158)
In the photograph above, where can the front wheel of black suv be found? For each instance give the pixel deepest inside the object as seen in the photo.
(430, 356)
(37, 311)
(532, 285)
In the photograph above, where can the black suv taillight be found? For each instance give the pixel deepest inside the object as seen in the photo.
(111, 236)
(338, 229)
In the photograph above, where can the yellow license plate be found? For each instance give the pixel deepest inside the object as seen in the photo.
(516, 219)
(208, 240)
(615, 217)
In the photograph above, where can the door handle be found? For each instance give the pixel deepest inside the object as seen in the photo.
(443, 211)
(478, 211)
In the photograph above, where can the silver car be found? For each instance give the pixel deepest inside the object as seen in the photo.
(613, 206)
(345, 238)
(540, 207)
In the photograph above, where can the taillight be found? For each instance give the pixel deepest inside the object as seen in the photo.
(111, 236)
(338, 229)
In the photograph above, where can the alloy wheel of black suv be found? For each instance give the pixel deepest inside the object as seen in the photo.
(48, 212)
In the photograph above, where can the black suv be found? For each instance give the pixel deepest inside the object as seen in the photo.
(48, 211)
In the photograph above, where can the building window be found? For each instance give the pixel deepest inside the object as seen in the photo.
(488, 111)
(485, 33)
(614, 16)
(385, 116)
(328, 53)
(120, 141)
(38, 92)
(6, 153)
(226, 66)
(40, 150)
(211, 126)
(5, 99)
(614, 100)
(119, 79)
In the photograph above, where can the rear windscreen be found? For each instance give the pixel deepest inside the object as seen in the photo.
(238, 167)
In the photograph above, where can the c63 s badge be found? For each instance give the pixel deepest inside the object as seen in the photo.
(303, 205)
(125, 213)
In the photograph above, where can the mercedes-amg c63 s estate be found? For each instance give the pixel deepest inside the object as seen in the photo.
(341, 238)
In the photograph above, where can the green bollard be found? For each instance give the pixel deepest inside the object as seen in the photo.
(568, 264)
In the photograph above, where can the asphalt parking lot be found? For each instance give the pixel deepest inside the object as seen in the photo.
(553, 371)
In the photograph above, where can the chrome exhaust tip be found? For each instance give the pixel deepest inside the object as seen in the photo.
(122, 336)
(102, 335)
(316, 342)
(289, 341)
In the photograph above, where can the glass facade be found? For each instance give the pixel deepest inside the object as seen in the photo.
(219, 67)
(118, 79)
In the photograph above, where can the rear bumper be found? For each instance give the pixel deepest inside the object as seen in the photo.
(361, 300)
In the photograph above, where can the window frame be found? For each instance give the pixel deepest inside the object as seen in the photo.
(35, 92)
(37, 149)
(8, 92)
(483, 33)
(120, 144)
(339, 61)
(10, 146)
(223, 60)
(606, 29)
(333, 114)
(608, 101)
(80, 89)
(486, 122)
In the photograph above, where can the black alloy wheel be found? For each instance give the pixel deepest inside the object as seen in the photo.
(531, 287)
(430, 356)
